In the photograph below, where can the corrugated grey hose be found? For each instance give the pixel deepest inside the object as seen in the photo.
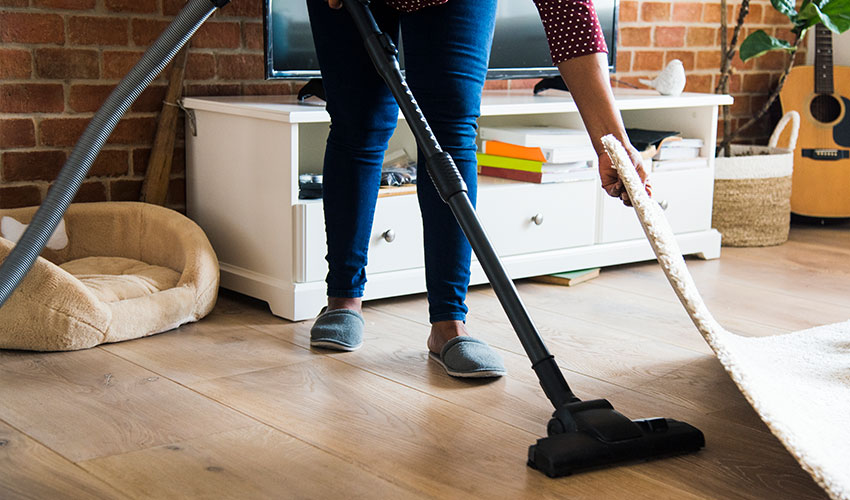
(45, 220)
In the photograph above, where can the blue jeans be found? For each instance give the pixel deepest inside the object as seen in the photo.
(446, 49)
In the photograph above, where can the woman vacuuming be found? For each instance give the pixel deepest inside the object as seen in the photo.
(446, 48)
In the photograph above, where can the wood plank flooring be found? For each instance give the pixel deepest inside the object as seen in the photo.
(238, 405)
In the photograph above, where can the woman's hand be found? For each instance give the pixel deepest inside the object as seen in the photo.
(611, 182)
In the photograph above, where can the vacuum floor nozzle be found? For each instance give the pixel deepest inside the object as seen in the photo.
(603, 437)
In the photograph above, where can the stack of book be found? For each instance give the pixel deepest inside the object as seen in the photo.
(676, 153)
(536, 154)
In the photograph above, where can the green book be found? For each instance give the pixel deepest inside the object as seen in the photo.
(570, 278)
(511, 163)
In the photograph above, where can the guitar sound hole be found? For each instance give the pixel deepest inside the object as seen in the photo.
(825, 108)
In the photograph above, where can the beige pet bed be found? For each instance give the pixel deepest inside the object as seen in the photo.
(111, 271)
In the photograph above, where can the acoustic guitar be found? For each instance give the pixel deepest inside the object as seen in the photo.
(821, 179)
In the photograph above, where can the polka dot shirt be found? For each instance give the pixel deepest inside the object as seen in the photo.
(572, 26)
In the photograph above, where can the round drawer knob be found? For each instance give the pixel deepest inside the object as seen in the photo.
(389, 235)
(663, 204)
(537, 219)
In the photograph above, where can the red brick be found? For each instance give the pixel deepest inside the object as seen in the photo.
(65, 4)
(756, 82)
(219, 35)
(176, 192)
(701, 37)
(624, 61)
(17, 133)
(125, 190)
(686, 56)
(286, 87)
(19, 196)
(110, 163)
(32, 98)
(133, 131)
(31, 28)
(239, 66)
(15, 64)
(137, 6)
(14, 3)
(85, 30)
(773, 16)
(670, 36)
(61, 131)
(699, 83)
(178, 160)
(741, 106)
(775, 59)
(628, 82)
(738, 64)
(140, 158)
(628, 12)
(708, 59)
(755, 15)
(735, 83)
(525, 83)
(212, 89)
(200, 66)
(655, 11)
(253, 35)
(67, 63)
(91, 191)
(88, 98)
(648, 60)
(151, 100)
(635, 37)
(711, 14)
(172, 7)
(32, 165)
(146, 31)
(116, 63)
(687, 12)
(246, 8)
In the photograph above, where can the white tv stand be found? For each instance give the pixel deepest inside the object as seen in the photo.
(242, 172)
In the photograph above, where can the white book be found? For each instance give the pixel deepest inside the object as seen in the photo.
(568, 154)
(682, 143)
(542, 137)
(676, 153)
(665, 165)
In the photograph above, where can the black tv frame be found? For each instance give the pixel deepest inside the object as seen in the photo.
(492, 74)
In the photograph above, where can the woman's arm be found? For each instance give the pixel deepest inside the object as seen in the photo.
(587, 78)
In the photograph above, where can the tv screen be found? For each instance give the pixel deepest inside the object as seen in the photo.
(520, 49)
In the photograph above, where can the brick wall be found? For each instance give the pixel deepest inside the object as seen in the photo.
(59, 59)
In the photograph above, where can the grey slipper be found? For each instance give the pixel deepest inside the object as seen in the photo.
(469, 357)
(340, 329)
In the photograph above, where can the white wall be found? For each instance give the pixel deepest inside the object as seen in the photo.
(840, 48)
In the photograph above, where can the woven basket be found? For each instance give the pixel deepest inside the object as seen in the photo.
(752, 191)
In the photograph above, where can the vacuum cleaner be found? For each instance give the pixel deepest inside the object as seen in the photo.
(581, 434)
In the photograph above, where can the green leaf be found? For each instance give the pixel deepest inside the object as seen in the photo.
(838, 12)
(785, 7)
(760, 42)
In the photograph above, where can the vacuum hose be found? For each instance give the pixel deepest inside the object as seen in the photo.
(60, 195)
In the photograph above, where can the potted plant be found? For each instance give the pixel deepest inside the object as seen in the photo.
(752, 189)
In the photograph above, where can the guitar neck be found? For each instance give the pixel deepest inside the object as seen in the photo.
(823, 60)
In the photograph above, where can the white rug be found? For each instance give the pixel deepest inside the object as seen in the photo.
(799, 383)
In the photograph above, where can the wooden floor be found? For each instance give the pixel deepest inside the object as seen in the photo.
(238, 406)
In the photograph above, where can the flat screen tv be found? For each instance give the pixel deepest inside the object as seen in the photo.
(519, 48)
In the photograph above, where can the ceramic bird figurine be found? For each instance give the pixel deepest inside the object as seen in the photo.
(671, 80)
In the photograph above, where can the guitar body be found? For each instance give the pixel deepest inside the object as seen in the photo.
(821, 179)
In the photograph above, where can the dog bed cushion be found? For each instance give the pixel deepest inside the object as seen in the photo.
(123, 270)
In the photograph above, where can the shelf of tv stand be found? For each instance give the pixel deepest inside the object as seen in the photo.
(244, 160)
